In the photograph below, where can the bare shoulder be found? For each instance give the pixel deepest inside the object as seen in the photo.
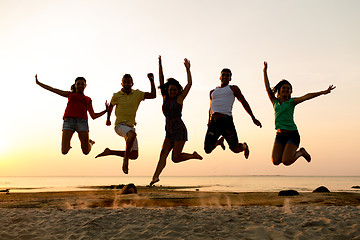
(235, 89)
(211, 92)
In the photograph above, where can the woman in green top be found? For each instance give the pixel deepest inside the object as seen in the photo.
(287, 136)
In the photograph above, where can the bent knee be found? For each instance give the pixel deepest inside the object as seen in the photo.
(276, 161)
(134, 155)
(286, 163)
(175, 158)
(131, 134)
(64, 152)
(236, 149)
(86, 152)
(85, 149)
(208, 148)
(208, 151)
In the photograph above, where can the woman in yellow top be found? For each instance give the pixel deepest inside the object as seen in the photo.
(287, 136)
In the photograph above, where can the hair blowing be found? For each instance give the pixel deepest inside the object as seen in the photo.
(165, 87)
(276, 89)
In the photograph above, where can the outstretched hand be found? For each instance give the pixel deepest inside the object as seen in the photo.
(187, 63)
(265, 66)
(330, 88)
(257, 122)
(150, 76)
(107, 106)
(160, 60)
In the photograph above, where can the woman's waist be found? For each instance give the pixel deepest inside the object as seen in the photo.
(173, 120)
(285, 131)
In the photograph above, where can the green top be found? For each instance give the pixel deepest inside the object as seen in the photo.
(284, 114)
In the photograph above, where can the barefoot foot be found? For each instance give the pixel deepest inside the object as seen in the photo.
(155, 180)
(125, 166)
(106, 152)
(197, 156)
(221, 143)
(91, 142)
(305, 154)
(246, 150)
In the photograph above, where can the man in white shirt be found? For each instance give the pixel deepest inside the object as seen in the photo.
(220, 116)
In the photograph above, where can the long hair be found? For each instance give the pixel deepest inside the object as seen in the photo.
(276, 89)
(73, 88)
(165, 87)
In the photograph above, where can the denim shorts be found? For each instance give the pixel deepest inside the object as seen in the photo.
(75, 124)
(292, 137)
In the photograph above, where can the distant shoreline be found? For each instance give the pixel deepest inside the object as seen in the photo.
(210, 184)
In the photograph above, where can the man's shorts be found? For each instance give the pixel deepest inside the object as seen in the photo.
(75, 124)
(217, 127)
(292, 137)
(122, 130)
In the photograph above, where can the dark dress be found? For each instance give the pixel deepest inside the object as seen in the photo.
(174, 126)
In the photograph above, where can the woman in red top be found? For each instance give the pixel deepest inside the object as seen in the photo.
(75, 116)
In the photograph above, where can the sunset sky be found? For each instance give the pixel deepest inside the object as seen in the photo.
(311, 43)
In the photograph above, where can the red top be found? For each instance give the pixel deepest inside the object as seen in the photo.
(77, 106)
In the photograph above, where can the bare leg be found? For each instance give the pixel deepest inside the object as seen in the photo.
(65, 141)
(277, 153)
(166, 148)
(290, 154)
(246, 150)
(240, 148)
(179, 156)
(220, 142)
(305, 154)
(86, 143)
(130, 138)
(107, 152)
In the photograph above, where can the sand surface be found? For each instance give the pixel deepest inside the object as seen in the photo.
(167, 214)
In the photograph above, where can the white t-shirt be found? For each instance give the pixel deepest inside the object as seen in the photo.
(222, 100)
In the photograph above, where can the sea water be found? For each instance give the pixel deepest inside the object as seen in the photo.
(202, 183)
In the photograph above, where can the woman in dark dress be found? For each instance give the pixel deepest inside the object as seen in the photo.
(176, 133)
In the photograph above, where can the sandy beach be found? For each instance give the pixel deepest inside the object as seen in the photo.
(163, 213)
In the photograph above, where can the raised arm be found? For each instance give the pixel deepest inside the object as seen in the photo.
(152, 94)
(267, 84)
(245, 104)
(189, 82)
(51, 89)
(161, 74)
(313, 95)
(94, 115)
